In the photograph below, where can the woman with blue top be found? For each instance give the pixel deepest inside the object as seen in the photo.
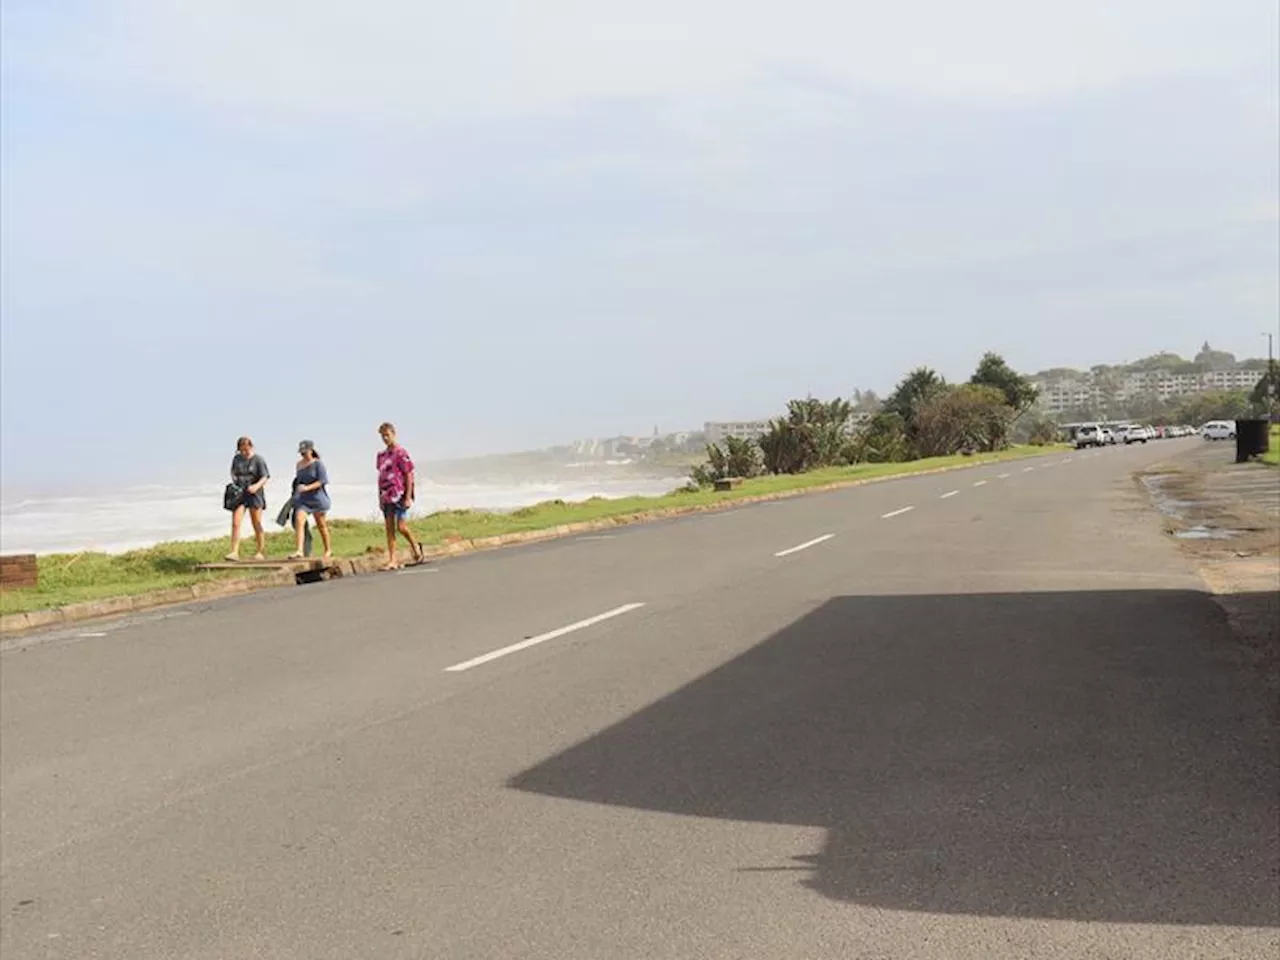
(310, 496)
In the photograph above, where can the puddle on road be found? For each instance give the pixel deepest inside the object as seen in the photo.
(1206, 533)
(1157, 486)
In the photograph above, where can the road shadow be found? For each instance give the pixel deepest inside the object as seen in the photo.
(1084, 756)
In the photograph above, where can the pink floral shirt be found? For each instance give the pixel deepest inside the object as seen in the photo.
(394, 467)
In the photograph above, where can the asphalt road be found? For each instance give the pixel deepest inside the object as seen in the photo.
(1004, 723)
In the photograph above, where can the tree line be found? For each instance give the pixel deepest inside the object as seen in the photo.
(924, 416)
(1207, 360)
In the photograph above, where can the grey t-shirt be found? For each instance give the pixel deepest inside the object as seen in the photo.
(247, 470)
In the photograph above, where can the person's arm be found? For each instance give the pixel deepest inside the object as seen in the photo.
(408, 482)
(322, 477)
(262, 480)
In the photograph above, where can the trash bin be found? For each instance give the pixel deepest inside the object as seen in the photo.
(1252, 438)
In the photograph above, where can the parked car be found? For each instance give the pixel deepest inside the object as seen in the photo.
(1219, 430)
(1136, 434)
(1106, 436)
(1088, 435)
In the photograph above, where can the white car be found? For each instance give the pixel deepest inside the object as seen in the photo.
(1088, 435)
(1136, 434)
(1105, 436)
(1219, 430)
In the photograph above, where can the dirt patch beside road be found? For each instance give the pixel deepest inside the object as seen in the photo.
(1226, 516)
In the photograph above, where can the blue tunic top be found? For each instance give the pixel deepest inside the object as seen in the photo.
(314, 501)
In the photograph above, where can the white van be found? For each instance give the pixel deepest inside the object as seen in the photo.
(1219, 430)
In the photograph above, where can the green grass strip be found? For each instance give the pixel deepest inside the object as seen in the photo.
(1272, 456)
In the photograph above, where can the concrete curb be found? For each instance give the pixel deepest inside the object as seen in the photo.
(13, 623)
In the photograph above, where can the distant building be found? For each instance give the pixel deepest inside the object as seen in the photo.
(1061, 394)
(738, 429)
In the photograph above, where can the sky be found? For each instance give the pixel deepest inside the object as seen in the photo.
(505, 225)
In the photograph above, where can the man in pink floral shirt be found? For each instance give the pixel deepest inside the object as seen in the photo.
(395, 494)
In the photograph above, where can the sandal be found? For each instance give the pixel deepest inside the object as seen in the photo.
(296, 556)
(232, 558)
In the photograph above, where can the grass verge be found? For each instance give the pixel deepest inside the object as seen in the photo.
(1272, 456)
(71, 578)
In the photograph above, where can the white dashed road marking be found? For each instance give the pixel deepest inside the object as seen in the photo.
(981, 483)
(805, 546)
(894, 513)
(543, 638)
(950, 494)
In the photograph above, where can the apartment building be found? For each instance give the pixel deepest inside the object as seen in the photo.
(1166, 385)
(1063, 394)
(738, 429)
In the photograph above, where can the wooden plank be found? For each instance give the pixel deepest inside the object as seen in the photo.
(281, 564)
(19, 571)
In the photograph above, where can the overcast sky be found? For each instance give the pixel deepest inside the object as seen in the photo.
(509, 224)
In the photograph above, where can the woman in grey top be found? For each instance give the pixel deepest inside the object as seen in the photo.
(249, 473)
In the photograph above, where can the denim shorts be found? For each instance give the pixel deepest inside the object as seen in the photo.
(397, 510)
(253, 501)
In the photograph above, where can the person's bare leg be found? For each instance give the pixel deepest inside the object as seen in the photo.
(259, 535)
(413, 542)
(322, 522)
(237, 517)
(299, 528)
(391, 542)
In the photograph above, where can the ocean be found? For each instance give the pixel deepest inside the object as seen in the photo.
(135, 517)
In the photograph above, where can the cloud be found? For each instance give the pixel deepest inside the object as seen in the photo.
(420, 64)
